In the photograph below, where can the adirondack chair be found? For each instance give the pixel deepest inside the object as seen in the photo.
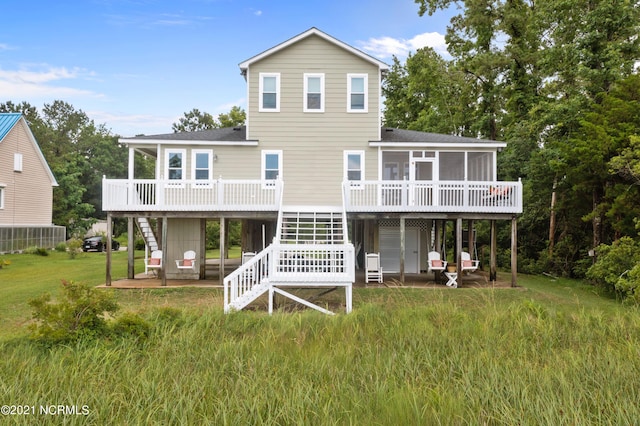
(154, 263)
(373, 269)
(188, 261)
(467, 263)
(435, 263)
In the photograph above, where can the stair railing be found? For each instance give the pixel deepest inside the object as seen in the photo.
(242, 281)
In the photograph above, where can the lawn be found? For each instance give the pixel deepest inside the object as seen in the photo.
(550, 352)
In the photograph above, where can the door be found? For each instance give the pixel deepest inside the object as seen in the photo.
(422, 173)
(390, 249)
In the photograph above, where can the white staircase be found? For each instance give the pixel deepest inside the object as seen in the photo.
(310, 250)
(312, 226)
(147, 233)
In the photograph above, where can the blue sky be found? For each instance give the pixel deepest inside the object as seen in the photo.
(138, 65)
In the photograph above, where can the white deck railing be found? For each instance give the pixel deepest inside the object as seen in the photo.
(298, 265)
(433, 196)
(190, 195)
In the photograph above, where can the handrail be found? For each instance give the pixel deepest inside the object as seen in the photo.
(191, 195)
(434, 196)
(309, 265)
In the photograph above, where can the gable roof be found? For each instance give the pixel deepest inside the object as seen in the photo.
(312, 31)
(8, 121)
(400, 137)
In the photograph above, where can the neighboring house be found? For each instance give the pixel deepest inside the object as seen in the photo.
(26, 189)
(312, 165)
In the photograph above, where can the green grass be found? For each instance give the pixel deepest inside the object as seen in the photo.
(552, 352)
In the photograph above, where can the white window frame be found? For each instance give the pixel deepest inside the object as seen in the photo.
(263, 170)
(17, 162)
(357, 183)
(261, 107)
(305, 103)
(167, 154)
(194, 167)
(2, 191)
(366, 93)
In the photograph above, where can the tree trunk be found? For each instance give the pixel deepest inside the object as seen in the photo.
(552, 217)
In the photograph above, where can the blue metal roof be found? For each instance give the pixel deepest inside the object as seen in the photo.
(7, 121)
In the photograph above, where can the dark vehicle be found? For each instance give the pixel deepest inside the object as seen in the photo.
(98, 244)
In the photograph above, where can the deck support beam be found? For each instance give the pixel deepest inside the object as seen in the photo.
(108, 266)
(514, 251)
(493, 256)
(223, 254)
(402, 247)
(131, 270)
(458, 253)
(163, 270)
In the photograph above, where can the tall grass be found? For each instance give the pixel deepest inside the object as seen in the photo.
(401, 357)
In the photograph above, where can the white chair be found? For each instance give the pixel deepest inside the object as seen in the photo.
(153, 263)
(373, 268)
(467, 263)
(246, 255)
(435, 263)
(188, 261)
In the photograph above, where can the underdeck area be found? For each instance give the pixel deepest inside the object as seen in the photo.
(477, 279)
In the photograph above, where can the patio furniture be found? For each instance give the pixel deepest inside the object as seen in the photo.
(153, 263)
(373, 268)
(188, 261)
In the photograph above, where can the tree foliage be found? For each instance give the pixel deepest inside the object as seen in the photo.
(556, 80)
(195, 120)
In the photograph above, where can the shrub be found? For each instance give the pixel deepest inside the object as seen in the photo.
(61, 247)
(80, 313)
(4, 263)
(617, 268)
(39, 251)
(74, 247)
(130, 324)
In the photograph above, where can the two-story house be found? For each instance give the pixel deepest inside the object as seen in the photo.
(26, 189)
(315, 178)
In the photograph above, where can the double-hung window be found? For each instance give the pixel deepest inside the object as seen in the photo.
(175, 164)
(271, 164)
(357, 89)
(269, 92)
(2, 186)
(202, 164)
(313, 93)
(354, 167)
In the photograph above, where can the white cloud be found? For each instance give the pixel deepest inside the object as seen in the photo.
(128, 125)
(386, 47)
(27, 84)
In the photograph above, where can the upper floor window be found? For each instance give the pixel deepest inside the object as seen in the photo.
(357, 88)
(175, 164)
(314, 93)
(354, 165)
(271, 165)
(1, 196)
(202, 160)
(17, 162)
(269, 92)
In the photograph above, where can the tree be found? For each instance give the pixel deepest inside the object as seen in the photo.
(235, 117)
(428, 94)
(195, 120)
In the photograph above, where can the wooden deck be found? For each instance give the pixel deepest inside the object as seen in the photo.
(478, 279)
